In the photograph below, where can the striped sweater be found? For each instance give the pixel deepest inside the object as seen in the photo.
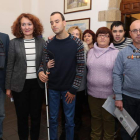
(30, 58)
(123, 44)
(68, 54)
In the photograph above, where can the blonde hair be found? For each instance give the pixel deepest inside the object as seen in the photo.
(74, 28)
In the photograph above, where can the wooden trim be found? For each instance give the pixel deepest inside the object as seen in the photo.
(130, 7)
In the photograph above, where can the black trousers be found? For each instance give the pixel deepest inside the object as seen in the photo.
(28, 102)
(132, 106)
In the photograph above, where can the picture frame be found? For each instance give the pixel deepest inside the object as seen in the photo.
(71, 6)
(83, 23)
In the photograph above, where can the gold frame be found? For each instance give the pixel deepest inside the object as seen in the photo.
(78, 8)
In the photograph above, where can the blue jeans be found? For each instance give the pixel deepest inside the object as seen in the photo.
(2, 111)
(69, 109)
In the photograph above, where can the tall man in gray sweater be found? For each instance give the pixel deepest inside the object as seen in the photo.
(126, 77)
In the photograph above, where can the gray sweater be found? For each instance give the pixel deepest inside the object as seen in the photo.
(126, 73)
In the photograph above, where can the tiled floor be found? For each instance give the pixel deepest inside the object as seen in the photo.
(10, 123)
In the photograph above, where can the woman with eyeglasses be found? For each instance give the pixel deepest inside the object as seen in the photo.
(100, 62)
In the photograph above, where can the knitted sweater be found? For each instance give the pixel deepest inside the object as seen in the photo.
(84, 79)
(126, 73)
(69, 63)
(100, 62)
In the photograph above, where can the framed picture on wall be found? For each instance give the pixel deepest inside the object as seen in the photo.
(83, 23)
(71, 6)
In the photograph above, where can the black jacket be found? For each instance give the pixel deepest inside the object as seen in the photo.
(5, 40)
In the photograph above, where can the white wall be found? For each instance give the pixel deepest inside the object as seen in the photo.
(46, 8)
(8, 13)
(10, 9)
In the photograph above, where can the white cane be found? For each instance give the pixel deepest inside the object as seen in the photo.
(47, 107)
(47, 111)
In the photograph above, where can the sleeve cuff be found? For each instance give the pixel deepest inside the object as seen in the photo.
(73, 90)
(118, 96)
(40, 69)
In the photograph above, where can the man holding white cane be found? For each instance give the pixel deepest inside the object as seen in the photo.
(65, 77)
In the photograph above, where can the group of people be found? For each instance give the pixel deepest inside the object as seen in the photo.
(72, 63)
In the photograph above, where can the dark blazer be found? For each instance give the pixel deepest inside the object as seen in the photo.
(17, 66)
(5, 40)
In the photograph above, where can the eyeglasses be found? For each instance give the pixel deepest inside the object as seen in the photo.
(135, 31)
(103, 35)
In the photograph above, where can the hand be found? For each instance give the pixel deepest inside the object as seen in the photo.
(8, 93)
(119, 104)
(43, 77)
(50, 64)
(50, 37)
(69, 97)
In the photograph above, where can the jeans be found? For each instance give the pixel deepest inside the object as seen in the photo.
(80, 97)
(2, 110)
(132, 106)
(69, 109)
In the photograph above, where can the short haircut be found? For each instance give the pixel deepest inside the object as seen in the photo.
(62, 16)
(105, 30)
(116, 24)
(92, 34)
(74, 28)
(16, 27)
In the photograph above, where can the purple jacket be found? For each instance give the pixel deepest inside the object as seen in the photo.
(100, 63)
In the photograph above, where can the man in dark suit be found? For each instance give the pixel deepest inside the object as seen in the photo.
(4, 39)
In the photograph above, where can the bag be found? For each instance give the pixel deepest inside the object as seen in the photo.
(2, 55)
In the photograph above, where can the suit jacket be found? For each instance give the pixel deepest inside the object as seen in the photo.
(17, 66)
(5, 40)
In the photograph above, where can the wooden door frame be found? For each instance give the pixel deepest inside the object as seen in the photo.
(129, 7)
